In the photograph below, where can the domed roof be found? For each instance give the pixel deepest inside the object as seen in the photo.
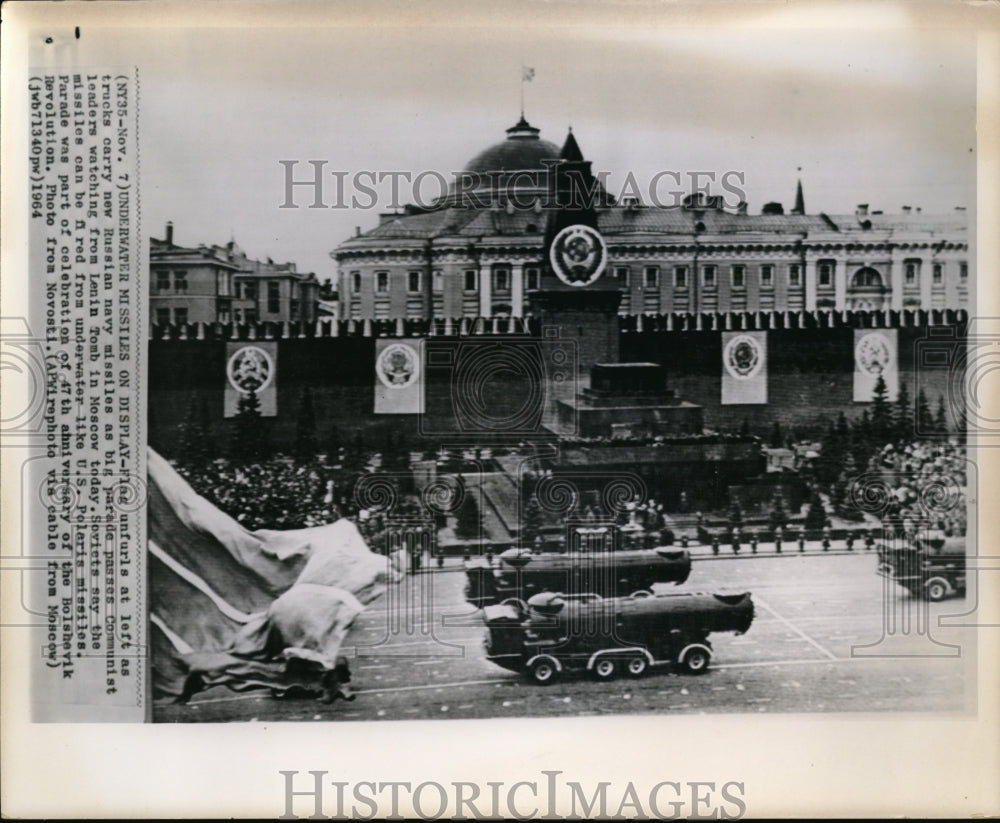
(520, 151)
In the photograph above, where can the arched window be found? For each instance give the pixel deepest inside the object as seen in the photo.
(866, 278)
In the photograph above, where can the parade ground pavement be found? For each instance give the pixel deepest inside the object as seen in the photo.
(829, 635)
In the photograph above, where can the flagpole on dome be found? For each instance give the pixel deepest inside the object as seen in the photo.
(527, 73)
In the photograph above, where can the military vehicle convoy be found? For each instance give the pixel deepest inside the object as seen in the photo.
(595, 610)
(928, 567)
(552, 633)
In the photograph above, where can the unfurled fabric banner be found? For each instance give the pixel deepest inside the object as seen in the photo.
(221, 596)
(399, 376)
(744, 368)
(875, 354)
(252, 367)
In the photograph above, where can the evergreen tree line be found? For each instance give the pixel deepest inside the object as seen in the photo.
(847, 447)
(886, 422)
(250, 439)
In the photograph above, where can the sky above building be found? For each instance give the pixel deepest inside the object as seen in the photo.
(882, 114)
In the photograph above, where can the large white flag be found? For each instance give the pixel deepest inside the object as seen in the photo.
(744, 368)
(399, 376)
(875, 353)
(248, 609)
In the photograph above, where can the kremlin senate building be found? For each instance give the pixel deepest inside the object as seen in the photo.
(479, 251)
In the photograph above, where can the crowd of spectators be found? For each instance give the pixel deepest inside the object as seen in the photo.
(924, 484)
(281, 494)
(927, 481)
(272, 494)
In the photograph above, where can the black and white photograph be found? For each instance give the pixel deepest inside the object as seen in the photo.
(577, 369)
(516, 387)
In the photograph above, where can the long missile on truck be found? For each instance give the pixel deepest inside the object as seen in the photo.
(522, 574)
(553, 633)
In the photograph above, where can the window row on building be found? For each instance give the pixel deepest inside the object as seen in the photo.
(501, 281)
(710, 276)
(220, 284)
(376, 291)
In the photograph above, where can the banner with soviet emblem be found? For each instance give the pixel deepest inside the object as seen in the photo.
(399, 376)
(875, 353)
(744, 368)
(252, 366)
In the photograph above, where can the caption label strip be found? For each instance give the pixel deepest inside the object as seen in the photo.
(89, 487)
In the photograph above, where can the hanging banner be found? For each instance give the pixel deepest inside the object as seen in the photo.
(744, 368)
(252, 367)
(399, 376)
(875, 353)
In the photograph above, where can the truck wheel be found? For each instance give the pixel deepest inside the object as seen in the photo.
(543, 672)
(936, 590)
(604, 668)
(695, 660)
(636, 666)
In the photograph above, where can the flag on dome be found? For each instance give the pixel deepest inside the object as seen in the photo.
(527, 74)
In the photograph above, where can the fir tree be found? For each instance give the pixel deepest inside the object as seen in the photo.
(393, 449)
(838, 493)
(467, 521)
(941, 417)
(779, 517)
(831, 455)
(841, 501)
(836, 445)
(210, 446)
(960, 417)
(862, 439)
(843, 429)
(849, 470)
(735, 515)
(192, 436)
(815, 514)
(904, 414)
(384, 442)
(305, 429)
(356, 454)
(532, 525)
(777, 440)
(843, 441)
(250, 441)
(881, 416)
(924, 420)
